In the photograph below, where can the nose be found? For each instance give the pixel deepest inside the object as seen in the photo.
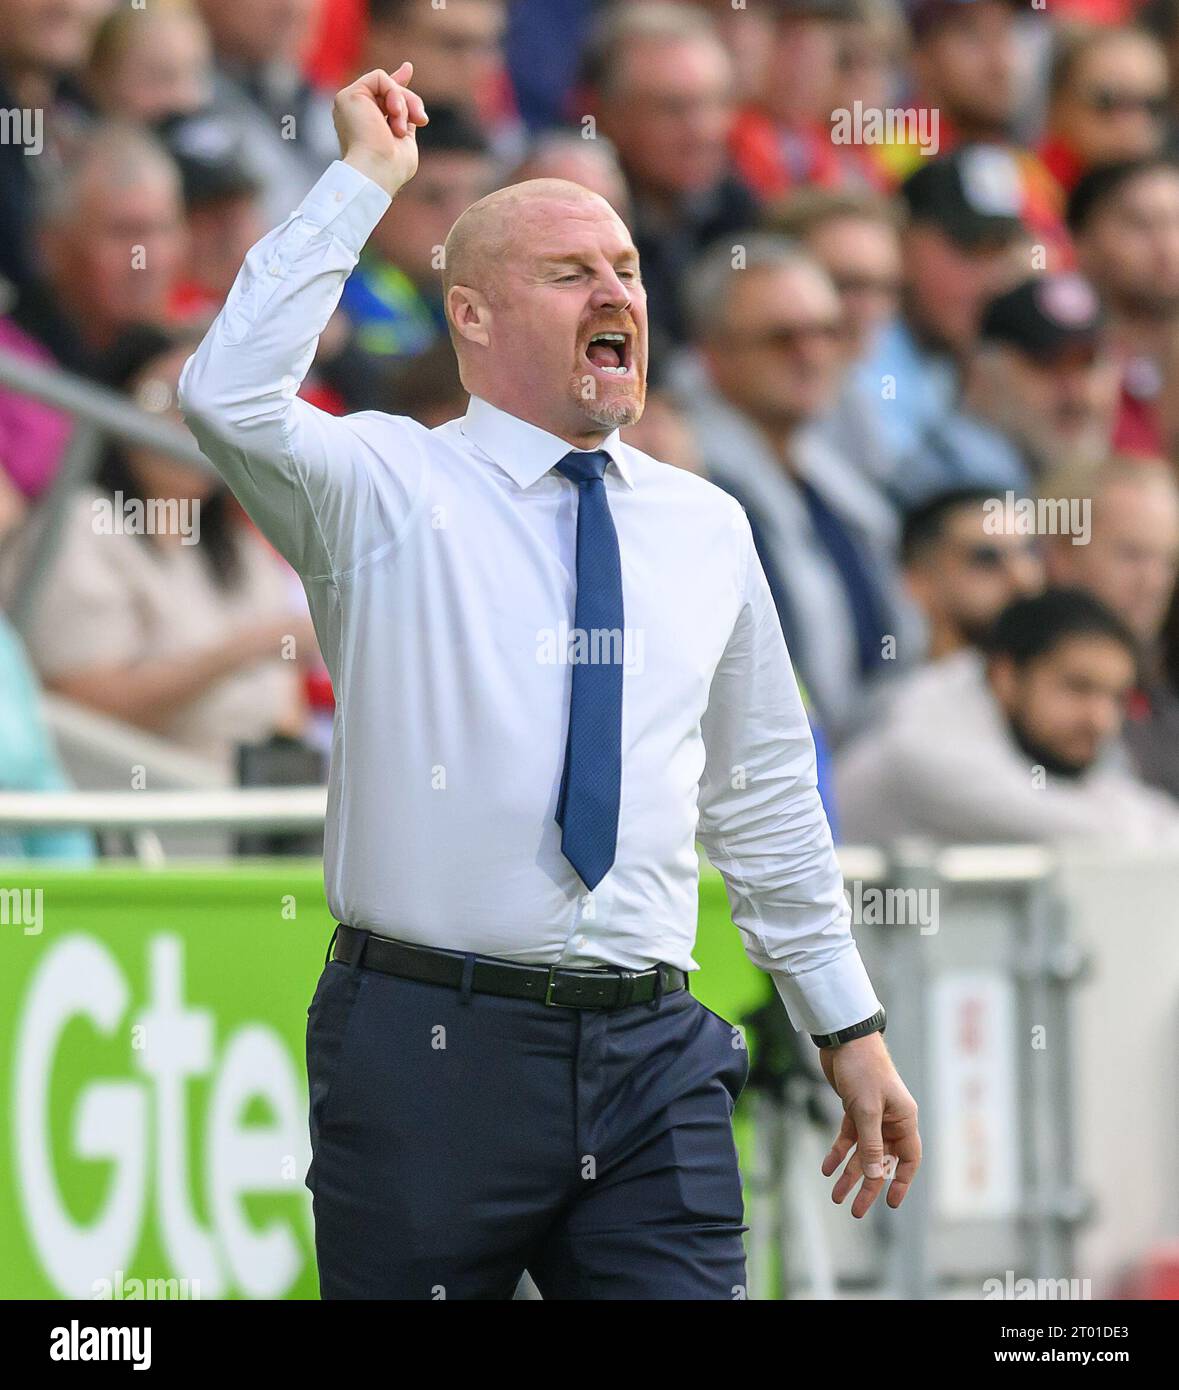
(610, 292)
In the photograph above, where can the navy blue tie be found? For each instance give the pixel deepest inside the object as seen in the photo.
(587, 805)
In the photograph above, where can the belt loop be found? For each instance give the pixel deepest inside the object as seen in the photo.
(468, 977)
(359, 961)
(657, 997)
(331, 943)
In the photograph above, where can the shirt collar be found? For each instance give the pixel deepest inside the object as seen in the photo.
(525, 452)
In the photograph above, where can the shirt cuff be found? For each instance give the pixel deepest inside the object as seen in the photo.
(829, 998)
(347, 203)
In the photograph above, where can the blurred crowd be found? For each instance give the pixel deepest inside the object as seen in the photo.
(912, 269)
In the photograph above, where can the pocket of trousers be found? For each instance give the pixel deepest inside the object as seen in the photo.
(330, 1021)
(736, 1043)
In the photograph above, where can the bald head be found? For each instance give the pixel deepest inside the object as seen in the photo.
(491, 228)
(534, 274)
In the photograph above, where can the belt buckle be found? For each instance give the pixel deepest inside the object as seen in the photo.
(550, 1002)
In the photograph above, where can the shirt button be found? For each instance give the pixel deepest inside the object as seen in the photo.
(581, 942)
(339, 197)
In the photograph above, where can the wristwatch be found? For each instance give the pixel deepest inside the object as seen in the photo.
(875, 1024)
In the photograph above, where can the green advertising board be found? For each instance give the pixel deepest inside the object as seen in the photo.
(152, 1076)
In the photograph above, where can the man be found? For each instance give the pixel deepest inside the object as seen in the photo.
(960, 572)
(958, 254)
(284, 123)
(855, 237)
(1125, 219)
(112, 241)
(508, 837)
(1130, 563)
(1108, 93)
(660, 87)
(769, 338)
(1040, 389)
(1013, 745)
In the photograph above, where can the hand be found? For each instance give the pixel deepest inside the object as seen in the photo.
(879, 1119)
(376, 119)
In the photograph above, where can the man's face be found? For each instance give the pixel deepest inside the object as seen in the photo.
(1115, 105)
(1070, 703)
(1131, 560)
(804, 58)
(1131, 246)
(170, 71)
(260, 31)
(946, 285)
(1062, 407)
(968, 575)
(91, 260)
(778, 353)
(52, 36)
(863, 259)
(668, 112)
(455, 49)
(572, 274)
(967, 66)
(414, 228)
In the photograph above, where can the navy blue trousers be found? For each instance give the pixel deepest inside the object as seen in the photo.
(460, 1139)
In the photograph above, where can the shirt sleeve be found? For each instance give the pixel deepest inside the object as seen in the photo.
(328, 492)
(763, 827)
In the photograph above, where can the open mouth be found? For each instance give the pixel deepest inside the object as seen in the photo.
(610, 353)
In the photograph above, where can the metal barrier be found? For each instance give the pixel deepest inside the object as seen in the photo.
(973, 952)
(100, 416)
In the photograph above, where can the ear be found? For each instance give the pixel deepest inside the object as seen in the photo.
(470, 313)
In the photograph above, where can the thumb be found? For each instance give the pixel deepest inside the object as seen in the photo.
(869, 1142)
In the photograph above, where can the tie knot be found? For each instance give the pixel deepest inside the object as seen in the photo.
(579, 467)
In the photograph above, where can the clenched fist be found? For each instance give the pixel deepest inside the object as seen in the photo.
(376, 119)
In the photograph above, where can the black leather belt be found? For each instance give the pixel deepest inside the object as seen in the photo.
(554, 985)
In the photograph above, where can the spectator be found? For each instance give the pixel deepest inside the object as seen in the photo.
(855, 237)
(961, 572)
(1125, 218)
(1130, 562)
(222, 207)
(147, 64)
(112, 237)
(563, 154)
(28, 759)
(964, 66)
(458, 61)
(394, 296)
(1013, 745)
(138, 622)
(660, 87)
(783, 139)
(1041, 388)
(1107, 101)
(769, 339)
(958, 252)
(43, 44)
(285, 125)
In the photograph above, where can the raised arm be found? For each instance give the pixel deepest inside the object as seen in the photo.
(763, 826)
(326, 491)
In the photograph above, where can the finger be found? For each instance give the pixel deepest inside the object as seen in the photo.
(869, 1140)
(844, 1142)
(403, 74)
(397, 111)
(908, 1161)
(847, 1180)
(870, 1189)
(417, 108)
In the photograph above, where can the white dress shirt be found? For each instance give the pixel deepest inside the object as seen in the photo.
(440, 569)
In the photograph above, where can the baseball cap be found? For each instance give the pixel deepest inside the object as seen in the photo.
(974, 195)
(1045, 316)
(206, 147)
